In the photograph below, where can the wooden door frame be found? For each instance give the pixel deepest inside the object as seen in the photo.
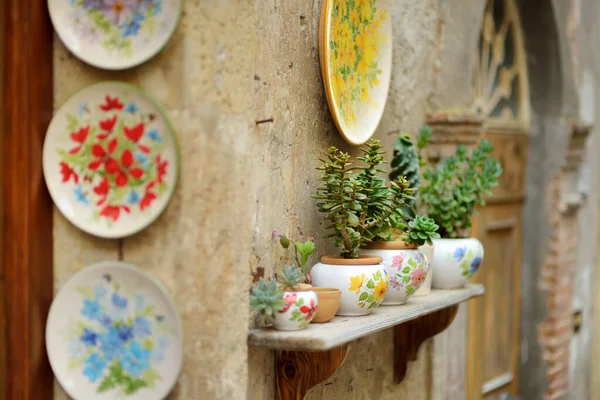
(26, 260)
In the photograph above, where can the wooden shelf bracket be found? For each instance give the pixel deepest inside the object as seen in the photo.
(297, 372)
(409, 336)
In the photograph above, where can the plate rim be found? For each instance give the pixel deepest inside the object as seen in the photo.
(126, 66)
(125, 266)
(323, 40)
(171, 130)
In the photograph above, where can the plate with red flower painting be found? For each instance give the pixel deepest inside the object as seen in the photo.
(111, 159)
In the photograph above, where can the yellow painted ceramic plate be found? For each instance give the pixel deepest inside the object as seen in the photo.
(355, 47)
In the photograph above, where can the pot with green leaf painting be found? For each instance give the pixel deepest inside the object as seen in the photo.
(451, 191)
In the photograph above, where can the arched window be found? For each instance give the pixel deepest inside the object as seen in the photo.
(501, 86)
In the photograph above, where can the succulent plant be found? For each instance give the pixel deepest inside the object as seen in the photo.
(457, 185)
(407, 158)
(405, 161)
(291, 277)
(421, 230)
(359, 205)
(266, 298)
(299, 251)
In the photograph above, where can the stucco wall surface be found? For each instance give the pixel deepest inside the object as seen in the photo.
(230, 63)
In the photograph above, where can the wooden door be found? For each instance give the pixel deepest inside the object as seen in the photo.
(502, 99)
(493, 332)
(26, 223)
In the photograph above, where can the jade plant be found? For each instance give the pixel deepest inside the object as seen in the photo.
(453, 188)
(358, 204)
(266, 297)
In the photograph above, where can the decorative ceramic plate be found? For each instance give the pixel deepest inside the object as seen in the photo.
(113, 332)
(355, 47)
(115, 34)
(111, 159)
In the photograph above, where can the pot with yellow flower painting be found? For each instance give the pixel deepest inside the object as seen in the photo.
(363, 282)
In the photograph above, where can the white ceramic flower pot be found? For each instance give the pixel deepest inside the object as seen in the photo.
(406, 267)
(363, 282)
(425, 288)
(455, 261)
(300, 309)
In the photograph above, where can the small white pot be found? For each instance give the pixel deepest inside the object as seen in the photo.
(300, 309)
(406, 267)
(425, 288)
(455, 261)
(363, 282)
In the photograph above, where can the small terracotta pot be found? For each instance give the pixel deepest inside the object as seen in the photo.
(329, 303)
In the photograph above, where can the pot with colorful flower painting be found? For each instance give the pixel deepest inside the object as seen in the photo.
(300, 303)
(290, 308)
(406, 267)
(453, 189)
(456, 261)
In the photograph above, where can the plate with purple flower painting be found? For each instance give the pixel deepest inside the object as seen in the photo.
(111, 159)
(115, 34)
(114, 332)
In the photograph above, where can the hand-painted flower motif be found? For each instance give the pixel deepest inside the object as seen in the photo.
(395, 283)
(410, 274)
(475, 264)
(125, 170)
(469, 263)
(118, 22)
(398, 260)
(309, 310)
(290, 299)
(355, 48)
(356, 283)
(460, 253)
(300, 312)
(370, 291)
(417, 276)
(119, 353)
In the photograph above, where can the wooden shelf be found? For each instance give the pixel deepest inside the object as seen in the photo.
(308, 357)
(342, 330)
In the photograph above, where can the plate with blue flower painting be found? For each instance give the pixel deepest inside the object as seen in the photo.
(111, 159)
(115, 34)
(113, 332)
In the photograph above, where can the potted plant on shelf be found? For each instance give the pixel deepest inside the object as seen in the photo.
(451, 191)
(355, 201)
(405, 263)
(289, 308)
(398, 236)
(407, 161)
(329, 298)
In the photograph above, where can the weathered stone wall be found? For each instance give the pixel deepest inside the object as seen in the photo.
(233, 62)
